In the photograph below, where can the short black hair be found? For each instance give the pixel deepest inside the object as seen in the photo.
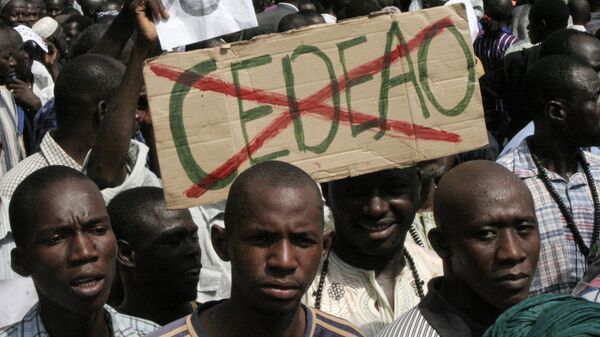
(82, 84)
(554, 12)
(498, 10)
(292, 21)
(87, 39)
(10, 37)
(358, 8)
(128, 209)
(23, 207)
(270, 173)
(580, 11)
(313, 17)
(559, 42)
(82, 21)
(551, 77)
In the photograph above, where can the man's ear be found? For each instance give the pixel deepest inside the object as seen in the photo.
(327, 241)
(101, 110)
(18, 262)
(438, 241)
(556, 111)
(125, 254)
(220, 241)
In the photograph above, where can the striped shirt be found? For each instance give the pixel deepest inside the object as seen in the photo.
(560, 265)
(433, 317)
(490, 49)
(121, 325)
(318, 324)
(12, 151)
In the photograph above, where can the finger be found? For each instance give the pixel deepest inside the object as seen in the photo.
(163, 9)
(154, 9)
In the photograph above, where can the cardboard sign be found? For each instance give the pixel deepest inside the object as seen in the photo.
(335, 100)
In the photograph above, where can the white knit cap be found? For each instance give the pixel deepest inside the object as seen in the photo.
(45, 27)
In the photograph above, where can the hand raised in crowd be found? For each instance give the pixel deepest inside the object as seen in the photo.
(144, 11)
(23, 94)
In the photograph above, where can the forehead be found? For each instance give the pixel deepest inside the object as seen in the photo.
(276, 207)
(588, 49)
(69, 200)
(485, 204)
(158, 220)
(406, 176)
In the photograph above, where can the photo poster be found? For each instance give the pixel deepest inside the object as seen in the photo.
(193, 21)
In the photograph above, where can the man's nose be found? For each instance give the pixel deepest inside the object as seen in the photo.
(510, 248)
(282, 258)
(82, 249)
(377, 205)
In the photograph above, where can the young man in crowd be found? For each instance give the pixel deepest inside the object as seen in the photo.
(562, 178)
(95, 103)
(273, 237)
(489, 241)
(158, 257)
(371, 276)
(66, 244)
(545, 17)
(13, 12)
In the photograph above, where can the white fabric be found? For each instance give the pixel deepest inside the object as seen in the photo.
(27, 34)
(329, 19)
(43, 84)
(45, 27)
(578, 27)
(21, 295)
(354, 294)
(471, 17)
(215, 275)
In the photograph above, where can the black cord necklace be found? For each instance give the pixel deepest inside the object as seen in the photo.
(566, 212)
(317, 294)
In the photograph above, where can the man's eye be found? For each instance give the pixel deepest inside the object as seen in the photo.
(53, 240)
(303, 242)
(486, 235)
(525, 229)
(260, 239)
(98, 230)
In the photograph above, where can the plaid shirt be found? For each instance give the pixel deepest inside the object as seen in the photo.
(121, 325)
(560, 265)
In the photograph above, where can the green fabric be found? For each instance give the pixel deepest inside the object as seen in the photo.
(549, 316)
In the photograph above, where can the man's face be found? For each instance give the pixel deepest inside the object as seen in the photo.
(275, 250)
(9, 51)
(71, 254)
(33, 13)
(583, 116)
(15, 13)
(535, 30)
(53, 8)
(168, 253)
(372, 212)
(494, 245)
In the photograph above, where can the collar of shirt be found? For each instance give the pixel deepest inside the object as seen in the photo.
(446, 319)
(55, 155)
(120, 325)
(521, 162)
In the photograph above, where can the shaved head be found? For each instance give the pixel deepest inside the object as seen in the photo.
(472, 188)
(271, 174)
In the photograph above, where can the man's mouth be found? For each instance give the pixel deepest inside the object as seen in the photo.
(281, 290)
(513, 281)
(89, 285)
(378, 230)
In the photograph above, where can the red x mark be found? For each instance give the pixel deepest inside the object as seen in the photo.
(313, 105)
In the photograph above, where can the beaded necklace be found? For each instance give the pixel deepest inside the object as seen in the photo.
(566, 212)
(317, 294)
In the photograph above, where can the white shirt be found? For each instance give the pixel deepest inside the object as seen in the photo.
(353, 294)
(215, 274)
(43, 84)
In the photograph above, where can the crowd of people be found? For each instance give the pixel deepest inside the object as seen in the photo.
(501, 241)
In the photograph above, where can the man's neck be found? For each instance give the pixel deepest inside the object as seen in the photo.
(555, 154)
(75, 145)
(237, 318)
(470, 304)
(60, 322)
(154, 307)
